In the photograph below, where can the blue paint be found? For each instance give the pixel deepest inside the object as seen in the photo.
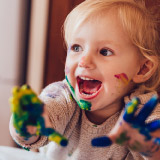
(27, 111)
(130, 109)
(137, 122)
(153, 126)
(101, 142)
(157, 141)
(147, 110)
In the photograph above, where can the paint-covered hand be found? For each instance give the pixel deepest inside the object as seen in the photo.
(30, 116)
(132, 131)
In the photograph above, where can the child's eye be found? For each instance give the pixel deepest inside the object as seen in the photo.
(76, 48)
(106, 52)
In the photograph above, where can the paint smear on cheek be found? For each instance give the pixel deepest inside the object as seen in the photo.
(122, 77)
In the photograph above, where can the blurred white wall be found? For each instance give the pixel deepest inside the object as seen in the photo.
(37, 44)
(12, 27)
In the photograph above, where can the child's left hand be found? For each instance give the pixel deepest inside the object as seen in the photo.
(132, 131)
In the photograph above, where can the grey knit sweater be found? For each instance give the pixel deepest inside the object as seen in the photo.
(68, 119)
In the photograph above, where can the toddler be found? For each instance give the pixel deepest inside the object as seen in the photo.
(113, 56)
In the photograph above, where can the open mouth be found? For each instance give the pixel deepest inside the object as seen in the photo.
(88, 87)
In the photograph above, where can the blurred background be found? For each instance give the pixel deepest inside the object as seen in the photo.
(32, 50)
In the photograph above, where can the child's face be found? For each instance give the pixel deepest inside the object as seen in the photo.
(101, 63)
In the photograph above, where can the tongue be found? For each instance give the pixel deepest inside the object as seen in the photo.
(90, 87)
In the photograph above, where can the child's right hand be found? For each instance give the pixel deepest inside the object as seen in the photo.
(30, 117)
(132, 130)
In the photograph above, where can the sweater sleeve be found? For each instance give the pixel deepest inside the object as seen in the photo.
(60, 105)
(60, 108)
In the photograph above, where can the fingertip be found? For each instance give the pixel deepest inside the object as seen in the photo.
(153, 126)
(130, 109)
(64, 143)
(132, 105)
(157, 141)
(154, 100)
(147, 109)
(101, 141)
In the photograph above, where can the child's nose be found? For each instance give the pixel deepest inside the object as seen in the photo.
(86, 62)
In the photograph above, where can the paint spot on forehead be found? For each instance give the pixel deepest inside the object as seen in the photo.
(123, 78)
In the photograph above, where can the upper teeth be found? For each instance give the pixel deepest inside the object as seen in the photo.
(85, 78)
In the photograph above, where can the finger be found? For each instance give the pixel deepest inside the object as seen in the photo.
(52, 134)
(130, 109)
(101, 141)
(157, 141)
(147, 110)
(153, 126)
(58, 138)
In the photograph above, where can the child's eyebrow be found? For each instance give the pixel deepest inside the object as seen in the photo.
(110, 42)
(77, 40)
(98, 41)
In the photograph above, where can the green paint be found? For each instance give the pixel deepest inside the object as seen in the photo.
(71, 88)
(136, 146)
(122, 138)
(82, 103)
(27, 110)
(94, 125)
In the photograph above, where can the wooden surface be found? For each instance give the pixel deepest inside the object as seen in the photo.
(55, 51)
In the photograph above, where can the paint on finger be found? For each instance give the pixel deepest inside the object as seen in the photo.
(101, 141)
(130, 109)
(123, 138)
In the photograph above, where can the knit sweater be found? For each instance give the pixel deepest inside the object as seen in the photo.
(69, 120)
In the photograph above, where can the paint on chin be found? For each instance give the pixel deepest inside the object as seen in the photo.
(85, 105)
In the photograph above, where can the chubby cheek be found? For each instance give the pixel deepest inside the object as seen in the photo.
(70, 72)
(68, 65)
(67, 70)
(121, 82)
(122, 78)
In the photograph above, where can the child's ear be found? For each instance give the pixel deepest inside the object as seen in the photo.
(147, 69)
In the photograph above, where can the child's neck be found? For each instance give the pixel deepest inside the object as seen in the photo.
(98, 117)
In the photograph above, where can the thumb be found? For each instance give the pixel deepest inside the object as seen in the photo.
(101, 141)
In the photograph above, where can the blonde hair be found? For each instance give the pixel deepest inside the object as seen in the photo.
(138, 22)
